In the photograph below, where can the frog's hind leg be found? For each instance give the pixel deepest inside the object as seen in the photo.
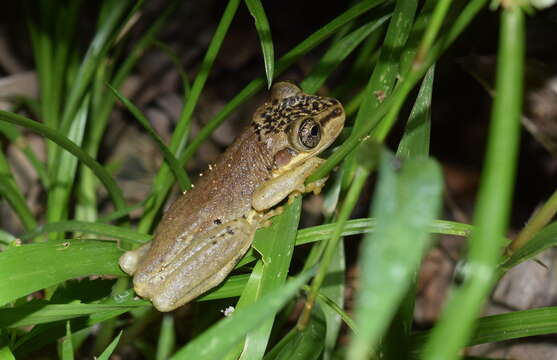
(131, 259)
(204, 264)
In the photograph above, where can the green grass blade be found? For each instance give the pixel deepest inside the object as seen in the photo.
(5, 352)
(167, 338)
(67, 346)
(231, 287)
(12, 193)
(415, 141)
(47, 333)
(331, 300)
(276, 245)
(405, 204)
(438, 17)
(163, 180)
(106, 33)
(65, 20)
(110, 349)
(538, 220)
(221, 337)
(543, 240)
(501, 327)
(102, 107)
(172, 162)
(387, 69)
(41, 312)
(70, 146)
(118, 214)
(177, 62)
(494, 198)
(302, 345)
(326, 31)
(288, 59)
(28, 268)
(62, 178)
(414, 144)
(264, 31)
(394, 102)
(325, 301)
(338, 52)
(97, 228)
(514, 325)
(330, 249)
(15, 137)
(368, 225)
(42, 40)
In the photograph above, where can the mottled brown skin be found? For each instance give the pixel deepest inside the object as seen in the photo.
(224, 193)
(264, 153)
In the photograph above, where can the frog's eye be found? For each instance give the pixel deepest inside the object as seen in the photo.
(309, 133)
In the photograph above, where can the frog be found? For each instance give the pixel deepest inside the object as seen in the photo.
(208, 229)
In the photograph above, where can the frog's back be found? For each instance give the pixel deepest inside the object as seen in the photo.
(222, 194)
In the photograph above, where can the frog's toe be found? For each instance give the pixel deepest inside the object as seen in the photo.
(164, 303)
(129, 262)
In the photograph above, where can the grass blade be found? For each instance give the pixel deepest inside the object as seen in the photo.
(501, 327)
(276, 245)
(172, 162)
(494, 198)
(288, 59)
(544, 239)
(394, 102)
(28, 268)
(338, 52)
(97, 228)
(67, 346)
(167, 338)
(163, 181)
(40, 312)
(221, 337)
(415, 141)
(70, 146)
(368, 225)
(264, 31)
(104, 36)
(405, 204)
(538, 220)
(12, 193)
(110, 349)
(63, 174)
(5, 352)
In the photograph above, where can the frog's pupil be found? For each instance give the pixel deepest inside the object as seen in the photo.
(314, 131)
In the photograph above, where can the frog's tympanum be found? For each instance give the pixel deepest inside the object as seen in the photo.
(209, 228)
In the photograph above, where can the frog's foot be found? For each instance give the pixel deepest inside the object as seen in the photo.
(131, 259)
(263, 219)
(316, 186)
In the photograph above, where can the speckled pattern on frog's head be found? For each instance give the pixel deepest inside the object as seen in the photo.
(294, 125)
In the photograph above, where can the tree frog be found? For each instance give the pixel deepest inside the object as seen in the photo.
(207, 230)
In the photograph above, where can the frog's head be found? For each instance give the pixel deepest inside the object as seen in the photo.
(295, 126)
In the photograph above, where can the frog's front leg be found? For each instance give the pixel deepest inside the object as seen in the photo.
(201, 265)
(131, 259)
(276, 189)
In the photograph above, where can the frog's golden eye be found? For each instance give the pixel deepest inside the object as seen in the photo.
(309, 133)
